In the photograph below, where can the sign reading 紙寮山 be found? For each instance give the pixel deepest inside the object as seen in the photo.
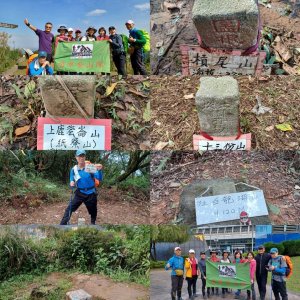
(227, 207)
(83, 57)
(73, 134)
(228, 275)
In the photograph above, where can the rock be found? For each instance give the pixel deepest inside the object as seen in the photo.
(58, 103)
(78, 295)
(217, 103)
(41, 292)
(227, 24)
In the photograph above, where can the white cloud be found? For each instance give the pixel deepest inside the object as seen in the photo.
(143, 6)
(96, 12)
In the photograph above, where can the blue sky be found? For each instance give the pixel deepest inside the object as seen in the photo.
(71, 13)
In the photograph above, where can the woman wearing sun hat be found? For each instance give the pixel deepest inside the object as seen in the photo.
(90, 35)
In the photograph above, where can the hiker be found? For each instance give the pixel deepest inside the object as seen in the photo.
(252, 262)
(78, 35)
(90, 35)
(46, 38)
(192, 273)
(40, 65)
(277, 265)
(70, 35)
(30, 56)
(176, 263)
(202, 267)
(225, 259)
(118, 52)
(85, 184)
(262, 260)
(136, 41)
(102, 35)
(214, 258)
(62, 30)
(238, 259)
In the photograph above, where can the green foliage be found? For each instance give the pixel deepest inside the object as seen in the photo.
(270, 245)
(169, 233)
(291, 248)
(8, 57)
(157, 264)
(18, 255)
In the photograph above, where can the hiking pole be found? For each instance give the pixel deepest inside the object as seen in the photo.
(271, 287)
(70, 204)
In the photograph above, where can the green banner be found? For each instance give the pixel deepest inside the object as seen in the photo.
(82, 57)
(233, 276)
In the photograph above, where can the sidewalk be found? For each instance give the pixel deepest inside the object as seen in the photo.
(160, 288)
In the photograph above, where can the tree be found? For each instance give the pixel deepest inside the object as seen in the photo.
(167, 233)
(137, 160)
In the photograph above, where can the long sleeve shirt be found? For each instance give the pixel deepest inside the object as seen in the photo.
(175, 262)
(117, 44)
(33, 71)
(140, 40)
(85, 183)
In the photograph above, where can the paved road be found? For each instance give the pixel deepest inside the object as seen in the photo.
(161, 285)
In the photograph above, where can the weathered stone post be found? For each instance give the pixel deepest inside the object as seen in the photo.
(217, 103)
(227, 24)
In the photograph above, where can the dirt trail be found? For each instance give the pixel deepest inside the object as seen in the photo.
(98, 286)
(114, 207)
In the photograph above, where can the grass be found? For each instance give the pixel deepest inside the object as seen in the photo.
(293, 283)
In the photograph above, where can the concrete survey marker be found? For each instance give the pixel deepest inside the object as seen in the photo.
(57, 100)
(218, 188)
(217, 103)
(78, 295)
(227, 24)
(228, 207)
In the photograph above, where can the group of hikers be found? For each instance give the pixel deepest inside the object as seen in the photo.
(259, 266)
(40, 63)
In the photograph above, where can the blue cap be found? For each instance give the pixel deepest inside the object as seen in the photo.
(274, 250)
(80, 152)
(42, 54)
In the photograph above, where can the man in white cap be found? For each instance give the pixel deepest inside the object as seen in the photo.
(176, 263)
(137, 41)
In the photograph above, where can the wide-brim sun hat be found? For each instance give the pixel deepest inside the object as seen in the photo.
(91, 27)
(62, 27)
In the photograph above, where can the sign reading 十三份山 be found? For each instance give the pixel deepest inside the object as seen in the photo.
(212, 209)
(83, 57)
(227, 275)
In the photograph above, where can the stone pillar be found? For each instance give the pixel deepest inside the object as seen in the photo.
(78, 295)
(58, 103)
(227, 24)
(217, 103)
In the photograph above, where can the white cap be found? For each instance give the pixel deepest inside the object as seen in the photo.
(129, 22)
(192, 251)
(177, 248)
(70, 29)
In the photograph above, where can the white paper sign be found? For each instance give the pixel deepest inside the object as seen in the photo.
(90, 168)
(203, 63)
(228, 207)
(207, 145)
(72, 137)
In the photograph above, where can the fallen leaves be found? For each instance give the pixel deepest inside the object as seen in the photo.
(284, 127)
(22, 130)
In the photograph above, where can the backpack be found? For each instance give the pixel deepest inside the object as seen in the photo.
(146, 46)
(125, 42)
(289, 269)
